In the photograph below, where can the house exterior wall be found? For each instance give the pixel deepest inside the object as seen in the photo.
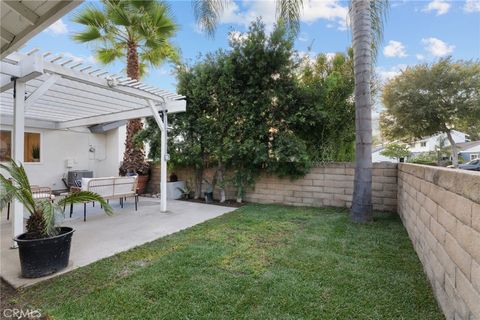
(433, 141)
(56, 146)
(440, 209)
(467, 156)
(325, 185)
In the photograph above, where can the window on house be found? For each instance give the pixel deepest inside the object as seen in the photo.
(423, 144)
(474, 156)
(5, 145)
(31, 146)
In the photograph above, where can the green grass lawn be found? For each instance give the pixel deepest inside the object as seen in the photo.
(258, 262)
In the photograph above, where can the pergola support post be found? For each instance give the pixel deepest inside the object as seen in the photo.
(163, 164)
(18, 149)
(162, 125)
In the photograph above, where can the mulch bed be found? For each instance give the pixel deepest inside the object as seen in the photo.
(227, 203)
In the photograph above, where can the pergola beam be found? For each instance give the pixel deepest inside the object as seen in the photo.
(7, 120)
(6, 35)
(49, 17)
(23, 11)
(27, 69)
(41, 90)
(97, 81)
(171, 106)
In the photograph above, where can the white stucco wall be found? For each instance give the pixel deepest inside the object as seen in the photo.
(57, 146)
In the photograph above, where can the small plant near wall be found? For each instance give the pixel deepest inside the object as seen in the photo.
(36, 153)
(187, 190)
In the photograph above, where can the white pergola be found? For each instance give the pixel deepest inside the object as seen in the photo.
(53, 92)
(23, 19)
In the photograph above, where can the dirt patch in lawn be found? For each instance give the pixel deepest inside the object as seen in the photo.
(12, 307)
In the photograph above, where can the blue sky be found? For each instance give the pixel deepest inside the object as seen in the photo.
(415, 32)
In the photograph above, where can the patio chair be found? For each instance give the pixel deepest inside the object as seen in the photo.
(109, 188)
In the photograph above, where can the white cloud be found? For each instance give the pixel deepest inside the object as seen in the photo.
(437, 47)
(394, 49)
(330, 10)
(440, 6)
(91, 59)
(385, 74)
(472, 6)
(420, 56)
(58, 27)
(236, 36)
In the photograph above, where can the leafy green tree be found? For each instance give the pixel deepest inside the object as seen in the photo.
(367, 18)
(428, 99)
(396, 150)
(325, 118)
(138, 33)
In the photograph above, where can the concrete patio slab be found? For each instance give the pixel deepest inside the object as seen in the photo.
(102, 236)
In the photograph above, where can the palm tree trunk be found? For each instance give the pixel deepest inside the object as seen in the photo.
(362, 51)
(453, 145)
(134, 156)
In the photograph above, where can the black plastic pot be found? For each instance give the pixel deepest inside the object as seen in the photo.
(208, 197)
(41, 257)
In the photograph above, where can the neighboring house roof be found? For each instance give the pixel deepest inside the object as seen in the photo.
(472, 146)
(439, 134)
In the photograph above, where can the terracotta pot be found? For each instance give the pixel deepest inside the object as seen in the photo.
(142, 184)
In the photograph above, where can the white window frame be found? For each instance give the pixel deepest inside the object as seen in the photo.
(474, 156)
(41, 146)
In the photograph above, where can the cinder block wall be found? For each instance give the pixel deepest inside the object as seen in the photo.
(440, 209)
(326, 185)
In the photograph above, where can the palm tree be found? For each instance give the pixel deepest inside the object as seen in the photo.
(137, 31)
(41, 223)
(367, 18)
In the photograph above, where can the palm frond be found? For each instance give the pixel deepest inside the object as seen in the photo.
(91, 16)
(20, 186)
(86, 196)
(155, 57)
(49, 209)
(208, 13)
(108, 55)
(8, 192)
(118, 14)
(90, 34)
(378, 14)
(290, 11)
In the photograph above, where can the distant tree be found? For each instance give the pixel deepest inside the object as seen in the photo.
(396, 150)
(432, 98)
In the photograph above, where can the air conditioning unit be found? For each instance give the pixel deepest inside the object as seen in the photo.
(74, 175)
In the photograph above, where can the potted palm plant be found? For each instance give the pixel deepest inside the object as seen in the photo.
(45, 247)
